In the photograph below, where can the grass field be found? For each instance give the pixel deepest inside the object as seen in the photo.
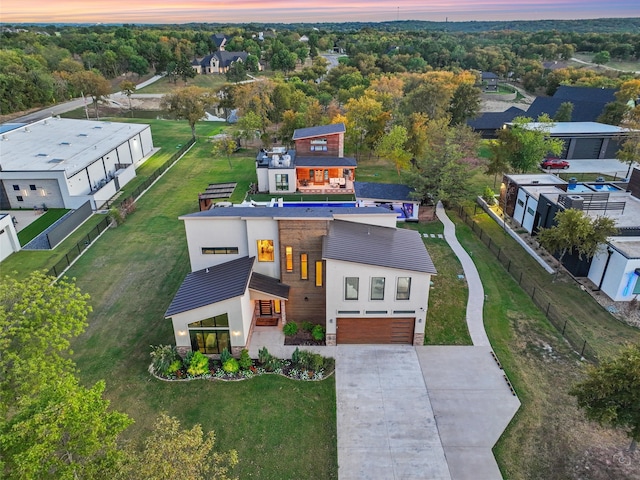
(626, 66)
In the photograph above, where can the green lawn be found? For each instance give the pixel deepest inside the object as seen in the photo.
(281, 428)
(35, 228)
(446, 322)
(627, 66)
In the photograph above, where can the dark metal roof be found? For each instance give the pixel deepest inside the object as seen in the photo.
(373, 245)
(269, 285)
(489, 75)
(570, 93)
(588, 102)
(318, 131)
(495, 120)
(276, 212)
(383, 191)
(212, 285)
(326, 162)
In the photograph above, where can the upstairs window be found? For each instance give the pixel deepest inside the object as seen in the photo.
(403, 288)
(265, 251)
(351, 288)
(377, 288)
(288, 251)
(319, 273)
(304, 266)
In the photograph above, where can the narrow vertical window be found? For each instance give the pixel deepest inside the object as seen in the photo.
(403, 289)
(351, 285)
(319, 273)
(304, 266)
(377, 288)
(276, 306)
(289, 258)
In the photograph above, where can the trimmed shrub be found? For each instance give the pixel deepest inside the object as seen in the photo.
(310, 361)
(198, 364)
(174, 367)
(263, 355)
(231, 366)
(295, 356)
(245, 360)
(307, 326)
(225, 355)
(318, 333)
(290, 329)
(489, 196)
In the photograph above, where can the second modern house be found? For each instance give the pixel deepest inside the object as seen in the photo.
(316, 165)
(350, 270)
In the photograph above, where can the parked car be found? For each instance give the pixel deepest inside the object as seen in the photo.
(555, 163)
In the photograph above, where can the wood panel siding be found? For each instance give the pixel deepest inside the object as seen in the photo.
(634, 183)
(306, 301)
(334, 144)
(375, 330)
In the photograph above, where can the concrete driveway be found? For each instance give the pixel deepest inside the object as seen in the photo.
(386, 428)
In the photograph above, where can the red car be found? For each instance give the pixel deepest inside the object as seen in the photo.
(555, 163)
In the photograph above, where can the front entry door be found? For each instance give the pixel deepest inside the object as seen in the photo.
(318, 177)
(266, 309)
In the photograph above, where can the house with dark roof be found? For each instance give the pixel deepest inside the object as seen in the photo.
(219, 40)
(350, 270)
(392, 196)
(488, 123)
(588, 102)
(489, 81)
(218, 62)
(316, 165)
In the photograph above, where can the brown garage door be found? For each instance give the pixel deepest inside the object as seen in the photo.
(375, 330)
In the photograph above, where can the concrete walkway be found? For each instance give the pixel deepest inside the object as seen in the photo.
(475, 302)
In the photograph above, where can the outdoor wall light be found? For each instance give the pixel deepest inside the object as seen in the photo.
(182, 333)
(331, 320)
(419, 320)
(236, 333)
(306, 299)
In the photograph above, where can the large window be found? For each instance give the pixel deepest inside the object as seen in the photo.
(288, 252)
(377, 288)
(265, 250)
(403, 288)
(304, 266)
(210, 335)
(351, 288)
(318, 145)
(319, 273)
(282, 181)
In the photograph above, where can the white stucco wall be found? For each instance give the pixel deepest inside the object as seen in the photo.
(337, 271)
(619, 274)
(9, 242)
(124, 153)
(214, 232)
(272, 179)
(47, 190)
(235, 308)
(263, 179)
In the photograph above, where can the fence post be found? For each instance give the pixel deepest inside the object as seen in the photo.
(489, 245)
(509, 267)
(548, 306)
(564, 327)
(584, 344)
(520, 281)
(533, 294)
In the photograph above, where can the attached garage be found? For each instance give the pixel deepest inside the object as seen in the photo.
(375, 330)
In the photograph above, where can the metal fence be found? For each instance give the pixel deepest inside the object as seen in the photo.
(537, 294)
(75, 251)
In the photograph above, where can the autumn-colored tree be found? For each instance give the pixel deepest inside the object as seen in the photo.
(190, 104)
(392, 146)
(366, 121)
(224, 146)
(92, 84)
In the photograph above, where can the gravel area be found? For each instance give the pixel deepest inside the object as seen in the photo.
(41, 242)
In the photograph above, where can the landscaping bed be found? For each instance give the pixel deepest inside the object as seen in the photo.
(304, 365)
(308, 334)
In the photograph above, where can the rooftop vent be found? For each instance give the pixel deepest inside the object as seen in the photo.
(42, 155)
(65, 143)
(5, 138)
(56, 160)
(83, 135)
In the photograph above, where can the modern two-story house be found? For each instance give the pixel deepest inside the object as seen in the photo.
(316, 165)
(350, 270)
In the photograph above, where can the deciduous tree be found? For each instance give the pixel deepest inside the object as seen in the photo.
(392, 146)
(224, 146)
(610, 394)
(190, 104)
(92, 84)
(170, 452)
(565, 110)
(128, 88)
(575, 232)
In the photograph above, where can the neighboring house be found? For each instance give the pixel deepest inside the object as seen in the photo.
(488, 123)
(615, 269)
(63, 163)
(219, 40)
(349, 269)
(392, 196)
(317, 165)
(218, 62)
(584, 140)
(9, 242)
(588, 102)
(489, 81)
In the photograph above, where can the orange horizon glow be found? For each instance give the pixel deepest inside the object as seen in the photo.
(288, 11)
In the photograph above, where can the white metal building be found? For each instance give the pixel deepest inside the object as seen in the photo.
(62, 163)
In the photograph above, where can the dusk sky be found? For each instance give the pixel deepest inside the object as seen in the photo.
(285, 11)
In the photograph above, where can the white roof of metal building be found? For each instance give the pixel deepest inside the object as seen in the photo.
(62, 144)
(575, 128)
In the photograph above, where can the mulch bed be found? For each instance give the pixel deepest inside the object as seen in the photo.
(303, 337)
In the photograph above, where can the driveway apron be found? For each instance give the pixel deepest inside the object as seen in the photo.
(386, 428)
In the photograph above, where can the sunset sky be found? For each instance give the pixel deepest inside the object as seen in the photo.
(285, 11)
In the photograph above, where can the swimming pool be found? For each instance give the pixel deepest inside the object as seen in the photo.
(604, 187)
(578, 188)
(317, 204)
